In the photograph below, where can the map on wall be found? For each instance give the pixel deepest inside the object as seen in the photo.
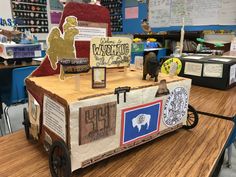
(164, 13)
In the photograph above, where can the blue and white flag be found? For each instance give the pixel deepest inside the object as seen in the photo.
(140, 121)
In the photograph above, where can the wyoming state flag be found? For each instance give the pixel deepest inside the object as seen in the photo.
(140, 121)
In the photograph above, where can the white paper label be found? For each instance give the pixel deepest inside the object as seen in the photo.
(232, 78)
(37, 53)
(213, 70)
(138, 61)
(194, 69)
(87, 33)
(54, 117)
(233, 46)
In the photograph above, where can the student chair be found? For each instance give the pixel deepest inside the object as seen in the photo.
(16, 94)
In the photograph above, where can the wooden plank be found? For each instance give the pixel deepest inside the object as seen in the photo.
(214, 101)
(180, 153)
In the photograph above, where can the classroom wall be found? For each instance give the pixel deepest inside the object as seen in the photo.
(134, 25)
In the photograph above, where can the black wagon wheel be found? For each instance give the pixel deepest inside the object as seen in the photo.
(59, 160)
(26, 123)
(192, 119)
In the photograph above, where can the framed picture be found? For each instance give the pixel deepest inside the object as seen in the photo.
(98, 77)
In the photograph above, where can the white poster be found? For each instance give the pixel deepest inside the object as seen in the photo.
(213, 70)
(194, 69)
(159, 13)
(232, 76)
(5, 14)
(54, 117)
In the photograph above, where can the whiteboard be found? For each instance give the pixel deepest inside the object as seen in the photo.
(165, 13)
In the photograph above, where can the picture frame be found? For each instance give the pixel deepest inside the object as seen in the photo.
(98, 77)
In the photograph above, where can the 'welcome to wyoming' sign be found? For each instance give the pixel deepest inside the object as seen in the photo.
(110, 52)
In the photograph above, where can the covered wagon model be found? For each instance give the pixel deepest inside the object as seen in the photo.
(79, 128)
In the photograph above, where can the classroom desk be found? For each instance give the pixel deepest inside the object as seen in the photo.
(6, 73)
(180, 153)
(221, 102)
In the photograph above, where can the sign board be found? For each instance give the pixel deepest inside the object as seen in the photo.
(110, 52)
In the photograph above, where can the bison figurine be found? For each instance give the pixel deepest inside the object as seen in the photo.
(151, 66)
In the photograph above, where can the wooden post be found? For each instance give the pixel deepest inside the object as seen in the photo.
(62, 73)
(77, 82)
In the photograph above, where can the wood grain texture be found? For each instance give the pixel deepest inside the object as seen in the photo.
(222, 102)
(66, 89)
(181, 153)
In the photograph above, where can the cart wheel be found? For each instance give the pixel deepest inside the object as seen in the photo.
(59, 160)
(192, 119)
(26, 123)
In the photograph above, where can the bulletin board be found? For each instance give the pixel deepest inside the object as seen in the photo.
(165, 13)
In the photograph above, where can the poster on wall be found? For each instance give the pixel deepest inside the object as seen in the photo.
(110, 52)
(131, 12)
(6, 15)
(140, 121)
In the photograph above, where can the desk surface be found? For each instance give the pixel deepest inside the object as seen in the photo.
(214, 101)
(180, 153)
(23, 64)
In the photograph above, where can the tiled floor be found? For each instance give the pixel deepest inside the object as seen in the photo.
(16, 117)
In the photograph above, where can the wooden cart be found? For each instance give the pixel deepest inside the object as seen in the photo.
(79, 128)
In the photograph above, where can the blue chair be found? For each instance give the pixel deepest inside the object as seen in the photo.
(16, 94)
(161, 53)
